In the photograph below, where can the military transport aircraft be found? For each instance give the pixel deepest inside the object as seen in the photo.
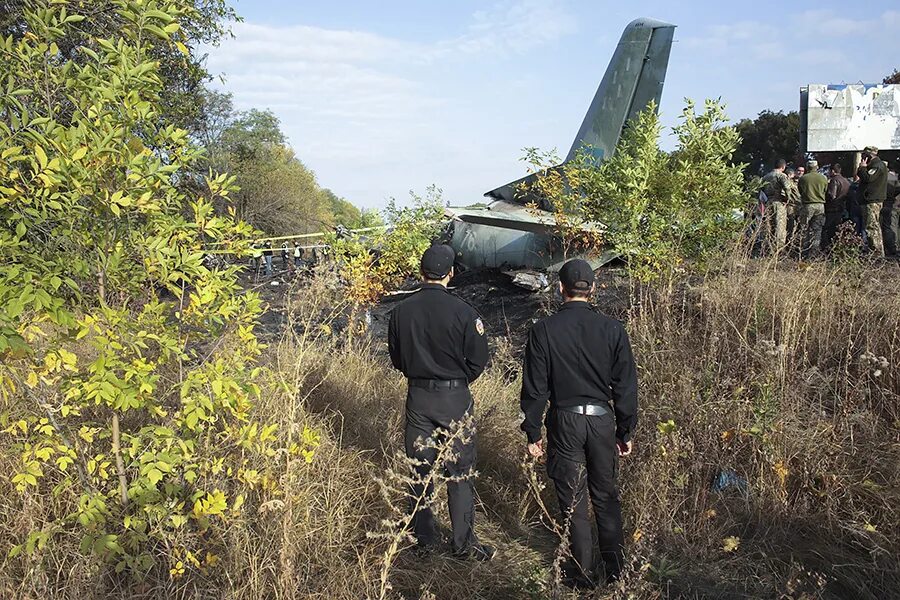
(507, 234)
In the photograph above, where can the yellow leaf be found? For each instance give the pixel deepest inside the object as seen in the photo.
(86, 434)
(870, 528)
(41, 156)
(80, 153)
(32, 379)
(182, 48)
(731, 543)
(68, 358)
(781, 471)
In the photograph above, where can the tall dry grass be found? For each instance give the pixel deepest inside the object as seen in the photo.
(766, 461)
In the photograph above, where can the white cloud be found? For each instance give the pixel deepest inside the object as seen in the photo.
(359, 101)
(778, 38)
(513, 27)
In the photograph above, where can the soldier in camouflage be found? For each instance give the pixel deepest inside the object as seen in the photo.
(872, 177)
(793, 203)
(776, 188)
(890, 215)
(812, 186)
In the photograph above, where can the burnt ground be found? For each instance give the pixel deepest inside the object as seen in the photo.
(508, 311)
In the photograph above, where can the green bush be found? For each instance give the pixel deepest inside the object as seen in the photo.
(127, 370)
(375, 261)
(658, 210)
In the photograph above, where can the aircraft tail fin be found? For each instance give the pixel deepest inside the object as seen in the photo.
(633, 79)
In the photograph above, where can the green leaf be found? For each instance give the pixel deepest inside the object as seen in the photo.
(154, 475)
(90, 52)
(160, 16)
(157, 32)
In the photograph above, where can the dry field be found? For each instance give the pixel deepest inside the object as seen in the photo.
(767, 462)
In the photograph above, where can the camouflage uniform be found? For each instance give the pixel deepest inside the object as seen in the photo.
(777, 186)
(873, 182)
(793, 209)
(812, 187)
(890, 215)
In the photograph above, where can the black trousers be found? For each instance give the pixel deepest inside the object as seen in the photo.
(428, 412)
(582, 459)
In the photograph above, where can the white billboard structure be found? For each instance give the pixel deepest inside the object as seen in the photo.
(847, 118)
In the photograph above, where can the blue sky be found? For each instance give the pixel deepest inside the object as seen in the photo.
(380, 98)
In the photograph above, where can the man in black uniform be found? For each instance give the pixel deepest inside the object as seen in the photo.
(438, 342)
(581, 361)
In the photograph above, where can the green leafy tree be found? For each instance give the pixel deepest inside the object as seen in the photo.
(181, 72)
(127, 370)
(765, 139)
(349, 215)
(373, 262)
(660, 210)
(574, 231)
(276, 192)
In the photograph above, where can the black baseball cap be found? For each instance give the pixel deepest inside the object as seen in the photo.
(437, 261)
(577, 274)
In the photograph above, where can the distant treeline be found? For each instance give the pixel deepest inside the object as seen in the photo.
(278, 193)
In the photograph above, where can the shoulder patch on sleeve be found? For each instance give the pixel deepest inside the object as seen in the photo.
(479, 326)
(872, 171)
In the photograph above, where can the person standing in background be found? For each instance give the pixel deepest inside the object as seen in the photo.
(890, 214)
(813, 186)
(836, 210)
(872, 177)
(267, 255)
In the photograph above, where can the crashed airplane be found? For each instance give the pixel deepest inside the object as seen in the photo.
(506, 234)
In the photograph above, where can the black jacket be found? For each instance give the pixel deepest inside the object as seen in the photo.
(435, 335)
(574, 357)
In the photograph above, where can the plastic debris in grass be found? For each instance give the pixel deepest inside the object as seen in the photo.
(727, 480)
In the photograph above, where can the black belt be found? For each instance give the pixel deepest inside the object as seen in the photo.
(594, 410)
(437, 384)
